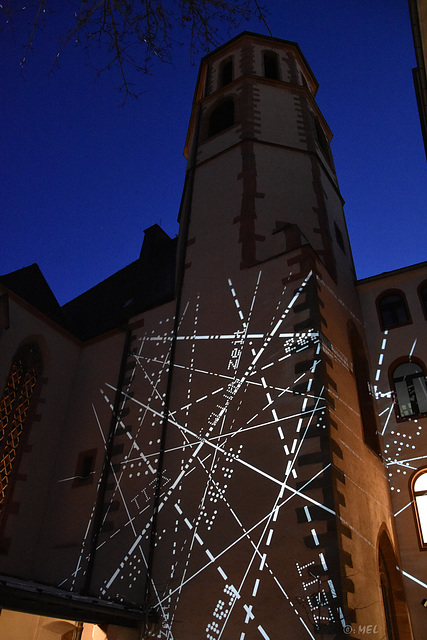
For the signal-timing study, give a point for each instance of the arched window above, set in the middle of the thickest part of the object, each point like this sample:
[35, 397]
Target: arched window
[422, 292]
[393, 310]
[271, 66]
[221, 117]
[394, 607]
[322, 140]
[226, 73]
[410, 389]
[14, 406]
[419, 497]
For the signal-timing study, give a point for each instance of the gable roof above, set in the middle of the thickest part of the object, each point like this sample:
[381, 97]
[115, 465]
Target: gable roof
[30, 284]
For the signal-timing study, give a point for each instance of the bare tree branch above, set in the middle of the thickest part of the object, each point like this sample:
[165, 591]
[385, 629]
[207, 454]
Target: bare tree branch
[133, 33]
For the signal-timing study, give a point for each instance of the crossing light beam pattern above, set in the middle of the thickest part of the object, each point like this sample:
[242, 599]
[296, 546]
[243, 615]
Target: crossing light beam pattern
[239, 518]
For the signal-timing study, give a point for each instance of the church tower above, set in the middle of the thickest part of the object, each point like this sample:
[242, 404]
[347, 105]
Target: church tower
[273, 516]
[204, 462]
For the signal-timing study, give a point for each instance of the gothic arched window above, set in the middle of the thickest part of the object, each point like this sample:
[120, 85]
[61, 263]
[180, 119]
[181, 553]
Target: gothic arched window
[14, 406]
[419, 497]
[396, 619]
[221, 117]
[410, 389]
[393, 310]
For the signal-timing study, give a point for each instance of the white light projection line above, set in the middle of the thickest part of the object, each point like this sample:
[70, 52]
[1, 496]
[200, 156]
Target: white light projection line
[403, 508]
[90, 520]
[189, 434]
[138, 538]
[251, 366]
[201, 440]
[276, 329]
[270, 335]
[255, 526]
[154, 393]
[389, 414]
[130, 519]
[196, 536]
[413, 578]
[93, 509]
[272, 515]
[117, 487]
[391, 462]
[235, 363]
[246, 534]
[161, 505]
[125, 395]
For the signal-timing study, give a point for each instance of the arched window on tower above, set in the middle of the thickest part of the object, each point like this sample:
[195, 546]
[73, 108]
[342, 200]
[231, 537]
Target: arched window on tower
[422, 292]
[221, 117]
[393, 310]
[271, 65]
[410, 389]
[322, 141]
[226, 73]
[419, 498]
[14, 406]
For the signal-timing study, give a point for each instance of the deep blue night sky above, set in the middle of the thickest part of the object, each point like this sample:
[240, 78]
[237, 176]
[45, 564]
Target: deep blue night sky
[82, 177]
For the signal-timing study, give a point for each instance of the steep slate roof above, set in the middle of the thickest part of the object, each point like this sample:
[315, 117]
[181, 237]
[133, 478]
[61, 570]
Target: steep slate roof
[143, 284]
[29, 284]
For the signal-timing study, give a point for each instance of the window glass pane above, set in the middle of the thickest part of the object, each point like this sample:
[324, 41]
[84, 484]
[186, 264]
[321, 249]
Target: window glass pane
[420, 393]
[227, 73]
[221, 118]
[393, 311]
[421, 504]
[271, 69]
[406, 369]
[420, 483]
[403, 399]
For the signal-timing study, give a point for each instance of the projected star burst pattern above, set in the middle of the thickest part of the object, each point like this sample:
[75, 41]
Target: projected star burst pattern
[242, 407]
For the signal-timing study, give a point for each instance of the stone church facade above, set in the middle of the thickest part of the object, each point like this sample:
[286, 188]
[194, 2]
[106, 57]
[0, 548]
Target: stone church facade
[224, 439]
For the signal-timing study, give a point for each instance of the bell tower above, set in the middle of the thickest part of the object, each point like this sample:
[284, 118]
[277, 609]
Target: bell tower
[256, 135]
[273, 495]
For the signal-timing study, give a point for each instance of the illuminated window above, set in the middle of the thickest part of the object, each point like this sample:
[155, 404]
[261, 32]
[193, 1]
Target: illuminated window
[14, 406]
[410, 389]
[419, 495]
[226, 74]
[271, 66]
[222, 117]
[393, 310]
